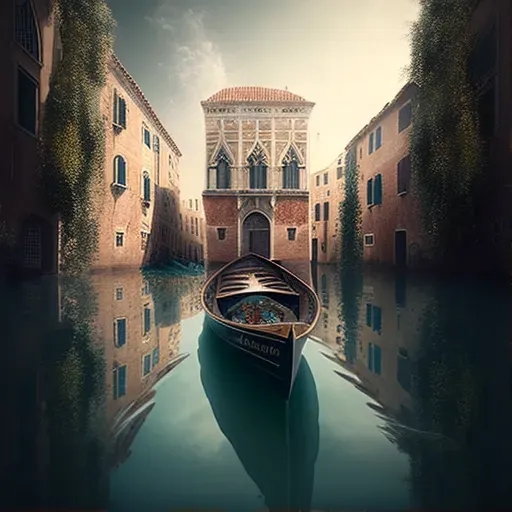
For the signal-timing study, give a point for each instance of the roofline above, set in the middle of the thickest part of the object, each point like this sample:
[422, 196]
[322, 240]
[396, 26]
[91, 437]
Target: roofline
[147, 106]
[387, 107]
[302, 103]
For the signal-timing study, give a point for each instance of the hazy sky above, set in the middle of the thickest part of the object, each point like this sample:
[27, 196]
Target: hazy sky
[347, 56]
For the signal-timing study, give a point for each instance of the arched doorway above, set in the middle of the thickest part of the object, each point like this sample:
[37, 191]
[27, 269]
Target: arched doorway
[256, 234]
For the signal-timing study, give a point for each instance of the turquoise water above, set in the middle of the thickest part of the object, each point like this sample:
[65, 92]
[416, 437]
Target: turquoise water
[120, 399]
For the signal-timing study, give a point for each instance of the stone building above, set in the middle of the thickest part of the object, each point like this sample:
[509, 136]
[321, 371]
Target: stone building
[326, 188]
[391, 226]
[28, 231]
[256, 195]
[192, 230]
[140, 206]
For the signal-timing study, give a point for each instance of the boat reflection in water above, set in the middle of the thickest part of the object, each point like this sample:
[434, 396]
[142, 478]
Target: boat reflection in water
[275, 439]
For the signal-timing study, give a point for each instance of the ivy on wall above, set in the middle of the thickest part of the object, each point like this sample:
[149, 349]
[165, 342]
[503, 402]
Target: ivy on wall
[446, 150]
[73, 136]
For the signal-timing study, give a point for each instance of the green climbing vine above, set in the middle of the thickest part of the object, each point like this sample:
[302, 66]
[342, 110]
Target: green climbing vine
[73, 138]
[351, 279]
[446, 149]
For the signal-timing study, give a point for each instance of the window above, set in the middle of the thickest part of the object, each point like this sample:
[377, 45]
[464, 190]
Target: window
[291, 175]
[326, 210]
[258, 176]
[120, 171]
[404, 117]
[120, 332]
[328, 193]
[378, 138]
[339, 172]
[369, 192]
[377, 189]
[197, 226]
[326, 178]
[146, 365]
[197, 205]
[146, 186]
[26, 28]
[368, 240]
[223, 174]
[119, 117]
[156, 144]
[156, 357]
[145, 288]
[147, 137]
[317, 212]
[317, 180]
[119, 239]
[144, 240]
[27, 102]
[147, 320]
[119, 382]
[119, 293]
[291, 233]
[370, 144]
[374, 317]
[221, 233]
[403, 175]
[374, 358]
[190, 204]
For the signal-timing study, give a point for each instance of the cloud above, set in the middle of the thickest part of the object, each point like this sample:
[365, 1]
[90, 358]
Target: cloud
[196, 70]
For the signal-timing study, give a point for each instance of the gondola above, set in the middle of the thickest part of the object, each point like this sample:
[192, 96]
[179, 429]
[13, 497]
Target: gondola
[264, 311]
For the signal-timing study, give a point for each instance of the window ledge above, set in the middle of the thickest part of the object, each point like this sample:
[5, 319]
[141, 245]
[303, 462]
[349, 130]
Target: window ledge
[27, 132]
[26, 52]
[119, 185]
[400, 194]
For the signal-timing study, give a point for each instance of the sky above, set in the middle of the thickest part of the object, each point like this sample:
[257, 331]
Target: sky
[349, 57]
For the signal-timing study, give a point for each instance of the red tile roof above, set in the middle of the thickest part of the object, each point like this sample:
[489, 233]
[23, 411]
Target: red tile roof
[149, 109]
[253, 95]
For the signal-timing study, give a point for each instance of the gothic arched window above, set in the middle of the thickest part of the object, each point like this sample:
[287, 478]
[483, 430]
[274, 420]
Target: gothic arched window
[258, 169]
[291, 169]
[26, 28]
[223, 170]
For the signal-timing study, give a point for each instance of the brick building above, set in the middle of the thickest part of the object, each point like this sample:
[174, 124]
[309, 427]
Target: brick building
[491, 73]
[391, 226]
[28, 231]
[326, 188]
[256, 197]
[192, 230]
[140, 206]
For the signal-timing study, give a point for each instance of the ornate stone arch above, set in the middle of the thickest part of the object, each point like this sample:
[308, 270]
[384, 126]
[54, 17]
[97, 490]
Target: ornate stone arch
[222, 152]
[258, 154]
[290, 153]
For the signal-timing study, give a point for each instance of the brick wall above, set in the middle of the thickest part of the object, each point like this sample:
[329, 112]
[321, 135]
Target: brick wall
[291, 213]
[221, 212]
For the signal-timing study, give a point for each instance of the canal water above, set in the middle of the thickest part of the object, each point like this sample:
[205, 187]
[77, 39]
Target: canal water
[117, 398]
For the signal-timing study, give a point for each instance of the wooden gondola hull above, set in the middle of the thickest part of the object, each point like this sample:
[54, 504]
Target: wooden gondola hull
[280, 358]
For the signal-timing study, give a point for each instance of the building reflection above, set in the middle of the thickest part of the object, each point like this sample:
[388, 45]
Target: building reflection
[433, 358]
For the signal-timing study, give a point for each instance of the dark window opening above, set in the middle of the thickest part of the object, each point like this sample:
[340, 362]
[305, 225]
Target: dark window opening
[370, 144]
[27, 102]
[221, 233]
[317, 212]
[326, 210]
[291, 233]
[403, 175]
[404, 117]
[378, 138]
[223, 174]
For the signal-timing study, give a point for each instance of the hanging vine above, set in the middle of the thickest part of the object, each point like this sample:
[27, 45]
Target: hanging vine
[73, 138]
[445, 142]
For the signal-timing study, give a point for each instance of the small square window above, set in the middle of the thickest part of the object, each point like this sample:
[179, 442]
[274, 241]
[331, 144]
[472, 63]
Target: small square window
[368, 240]
[326, 178]
[339, 172]
[119, 293]
[221, 233]
[119, 239]
[328, 193]
[291, 233]
[317, 181]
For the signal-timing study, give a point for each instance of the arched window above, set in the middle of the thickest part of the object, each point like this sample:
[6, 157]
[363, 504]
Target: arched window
[223, 170]
[146, 186]
[26, 28]
[120, 171]
[291, 169]
[258, 168]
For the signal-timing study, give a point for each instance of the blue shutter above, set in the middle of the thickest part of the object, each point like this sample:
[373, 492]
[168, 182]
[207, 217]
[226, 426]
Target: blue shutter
[370, 144]
[377, 192]
[370, 357]
[121, 332]
[114, 384]
[147, 320]
[147, 364]
[121, 372]
[121, 171]
[147, 189]
[156, 356]
[377, 319]
[116, 108]
[378, 138]
[377, 359]
[122, 112]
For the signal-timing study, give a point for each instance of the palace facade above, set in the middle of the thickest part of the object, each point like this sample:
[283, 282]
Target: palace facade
[256, 195]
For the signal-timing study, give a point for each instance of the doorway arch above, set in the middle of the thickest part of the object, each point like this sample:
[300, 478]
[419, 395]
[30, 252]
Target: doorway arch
[256, 234]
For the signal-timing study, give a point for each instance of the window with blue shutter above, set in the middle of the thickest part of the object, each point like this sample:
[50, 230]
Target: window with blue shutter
[120, 332]
[156, 144]
[369, 315]
[377, 319]
[147, 137]
[370, 357]
[116, 108]
[147, 320]
[122, 112]
[369, 192]
[377, 359]
[378, 138]
[377, 189]
[146, 186]
[122, 380]
[146, 365]
[119, 170]
[370, 144]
